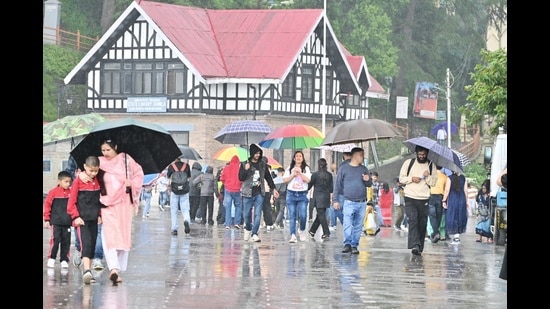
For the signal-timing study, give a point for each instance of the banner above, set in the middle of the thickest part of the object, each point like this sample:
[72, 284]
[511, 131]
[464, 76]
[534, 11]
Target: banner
[401, 109]
[425, 100]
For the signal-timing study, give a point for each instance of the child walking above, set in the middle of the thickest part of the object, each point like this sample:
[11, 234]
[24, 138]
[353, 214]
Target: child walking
[85, 210]
[58, 220]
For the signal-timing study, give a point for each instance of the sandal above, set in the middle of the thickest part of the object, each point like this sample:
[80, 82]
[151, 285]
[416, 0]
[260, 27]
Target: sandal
[115, 278]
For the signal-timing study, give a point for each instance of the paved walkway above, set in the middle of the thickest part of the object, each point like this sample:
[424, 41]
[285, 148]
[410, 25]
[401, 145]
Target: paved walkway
[214, 268]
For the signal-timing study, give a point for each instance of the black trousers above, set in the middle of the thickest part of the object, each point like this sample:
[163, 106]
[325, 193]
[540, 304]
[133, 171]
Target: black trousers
[266, 209]
[417, 214]
[194, 205]
[87, 234]
[206, 209]
[61, 235]
[320, 219]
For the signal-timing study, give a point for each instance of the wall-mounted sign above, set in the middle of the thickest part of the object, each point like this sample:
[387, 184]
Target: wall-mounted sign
[146, 105]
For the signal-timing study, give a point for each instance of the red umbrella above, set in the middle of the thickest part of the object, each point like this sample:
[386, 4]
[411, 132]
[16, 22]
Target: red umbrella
[293, 136]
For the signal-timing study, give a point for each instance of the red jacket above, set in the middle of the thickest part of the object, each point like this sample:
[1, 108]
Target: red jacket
[84, 200]
[55, 206]
[230, 175]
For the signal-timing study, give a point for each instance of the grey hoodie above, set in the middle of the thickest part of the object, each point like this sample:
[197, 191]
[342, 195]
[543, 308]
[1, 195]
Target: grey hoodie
[209, 184]
[196, 170]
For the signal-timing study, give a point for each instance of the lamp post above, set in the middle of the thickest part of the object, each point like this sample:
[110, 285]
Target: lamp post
[448, 96]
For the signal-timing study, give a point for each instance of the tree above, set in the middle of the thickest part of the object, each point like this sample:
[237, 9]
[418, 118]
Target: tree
[489, 92]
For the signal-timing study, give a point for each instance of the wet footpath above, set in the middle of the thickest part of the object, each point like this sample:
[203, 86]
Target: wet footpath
[213, 267]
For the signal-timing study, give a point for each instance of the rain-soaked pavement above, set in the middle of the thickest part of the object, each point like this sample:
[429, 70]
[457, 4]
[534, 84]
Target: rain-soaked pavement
[215, 268]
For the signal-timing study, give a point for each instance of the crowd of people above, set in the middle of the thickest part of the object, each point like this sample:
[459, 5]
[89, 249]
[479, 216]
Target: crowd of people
[100, 202]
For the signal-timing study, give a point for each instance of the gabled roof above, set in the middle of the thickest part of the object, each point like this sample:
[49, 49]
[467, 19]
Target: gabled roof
[221, 45]
[359, 68]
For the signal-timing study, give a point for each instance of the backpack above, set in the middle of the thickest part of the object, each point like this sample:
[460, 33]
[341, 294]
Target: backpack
[412, 163]
[179, 182]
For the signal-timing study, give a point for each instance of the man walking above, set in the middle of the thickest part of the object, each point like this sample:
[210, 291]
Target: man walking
[252, 174]
[417, 179]
[351, 182]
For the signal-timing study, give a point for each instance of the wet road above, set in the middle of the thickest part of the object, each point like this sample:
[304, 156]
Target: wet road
[215, 268]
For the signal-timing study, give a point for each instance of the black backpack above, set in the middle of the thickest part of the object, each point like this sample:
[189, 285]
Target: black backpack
[179, 182]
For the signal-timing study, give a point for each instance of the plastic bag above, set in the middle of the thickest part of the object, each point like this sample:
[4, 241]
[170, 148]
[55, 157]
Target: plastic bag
[371, 224]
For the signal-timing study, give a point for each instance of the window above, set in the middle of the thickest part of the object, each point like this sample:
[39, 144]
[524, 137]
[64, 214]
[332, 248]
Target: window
[328, 91]
[180, 137]
[64, 164]
[289, 85]
[307, 82]
[176, 79]
[46, 166]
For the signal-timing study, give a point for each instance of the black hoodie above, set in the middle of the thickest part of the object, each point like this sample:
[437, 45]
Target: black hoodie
[251, 186]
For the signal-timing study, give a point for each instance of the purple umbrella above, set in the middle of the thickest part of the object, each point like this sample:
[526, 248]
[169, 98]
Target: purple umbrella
[243, 132]
[443, 125]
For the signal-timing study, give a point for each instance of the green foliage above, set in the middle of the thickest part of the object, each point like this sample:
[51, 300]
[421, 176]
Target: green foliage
[476, 173]
[489, 93]
[82, 16]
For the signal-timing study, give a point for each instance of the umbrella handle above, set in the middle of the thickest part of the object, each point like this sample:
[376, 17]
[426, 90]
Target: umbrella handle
[128, 189]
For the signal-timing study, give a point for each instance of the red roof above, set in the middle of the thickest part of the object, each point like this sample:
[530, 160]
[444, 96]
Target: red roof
[218, 42]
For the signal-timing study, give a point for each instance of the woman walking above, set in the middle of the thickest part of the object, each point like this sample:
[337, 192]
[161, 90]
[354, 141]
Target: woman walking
[456, 203]
[322, 184]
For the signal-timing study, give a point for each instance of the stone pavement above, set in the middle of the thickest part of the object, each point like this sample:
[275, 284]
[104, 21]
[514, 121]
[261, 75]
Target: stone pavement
[215, 268]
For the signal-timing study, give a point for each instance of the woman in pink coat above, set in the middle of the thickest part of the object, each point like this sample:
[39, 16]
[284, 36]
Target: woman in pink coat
[385, 200]
[122, 177]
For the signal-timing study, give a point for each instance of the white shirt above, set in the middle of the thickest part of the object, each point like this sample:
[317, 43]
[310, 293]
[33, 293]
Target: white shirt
[297, 183]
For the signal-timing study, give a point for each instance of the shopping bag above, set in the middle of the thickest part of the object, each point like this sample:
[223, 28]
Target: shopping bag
[371, 224]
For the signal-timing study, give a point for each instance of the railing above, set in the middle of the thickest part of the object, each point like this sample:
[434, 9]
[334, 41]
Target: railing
[68, 39]
[472, 149]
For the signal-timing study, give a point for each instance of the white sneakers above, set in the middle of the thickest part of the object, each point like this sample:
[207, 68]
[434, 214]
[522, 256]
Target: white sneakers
[256, 238]
[51, 263]
[293, 239]
[247, 234]
[97, 265]
[64, 264]
[303, 236]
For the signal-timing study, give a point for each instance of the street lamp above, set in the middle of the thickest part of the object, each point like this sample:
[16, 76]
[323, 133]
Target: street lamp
[448, 95]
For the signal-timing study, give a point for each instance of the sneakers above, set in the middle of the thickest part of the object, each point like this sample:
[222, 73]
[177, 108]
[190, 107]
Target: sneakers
[435, 238]
[302, 235]
[97, 265]
[87, 277]
[256, 238]
[397, 228]
[175, 232]
[269, 228]
[311, 234]
[227, 227]
[246, 236]
[64, 264]
[293, 239]
[77, 260]
[51, 263]
[455, 241]
[332, 228]
[161, 208]
[186, 230]
[354, 250]
[347, 248]
[236, 226]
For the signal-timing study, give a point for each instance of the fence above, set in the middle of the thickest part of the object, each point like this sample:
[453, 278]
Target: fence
[68, 39]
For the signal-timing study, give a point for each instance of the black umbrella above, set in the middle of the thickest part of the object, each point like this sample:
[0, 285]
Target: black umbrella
[149, 144]
[189, 153]
[360, 130]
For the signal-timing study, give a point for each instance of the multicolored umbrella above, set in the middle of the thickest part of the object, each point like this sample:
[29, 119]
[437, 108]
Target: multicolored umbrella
[243, 132]
[225, 154]
[70, 126]
[274, 163]
[293, 136]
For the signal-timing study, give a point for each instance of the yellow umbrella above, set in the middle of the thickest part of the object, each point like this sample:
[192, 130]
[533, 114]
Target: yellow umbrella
[225, 154]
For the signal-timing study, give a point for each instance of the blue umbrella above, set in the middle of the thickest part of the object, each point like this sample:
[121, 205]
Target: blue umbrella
[149, 178]
[443, 125]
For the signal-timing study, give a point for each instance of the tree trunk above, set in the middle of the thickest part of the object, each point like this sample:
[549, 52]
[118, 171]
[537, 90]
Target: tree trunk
[107, 16]
[405, 48]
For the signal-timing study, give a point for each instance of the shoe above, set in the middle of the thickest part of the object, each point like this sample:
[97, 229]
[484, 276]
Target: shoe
[77, 260]
[354, 250]
[269, 227]
[455, 241]
[325, 237]
[256, 238]
[97, 265]
[227, 227]
[147, 215]
[51, 263]
[64, 264]
[397, 228]
[87, 277]
[161, 208]
[416, 250]
[175, 232]
[302, 235]
[247, 235]
[236, 226]
[436, 238]
[311, 234]
[332, 228]
[186, 229]
[347, 249]
[478, 240]
[293, 239]
[377, 231]
[210, 222]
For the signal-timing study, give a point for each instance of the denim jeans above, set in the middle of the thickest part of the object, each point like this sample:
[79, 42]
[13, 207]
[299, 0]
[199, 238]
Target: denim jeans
[297, 201]
[98, 244]
[337, 213]
[232, 199]
[163, 198]
[257, 202]
[147, 197]
[354, 213]
[183, 202]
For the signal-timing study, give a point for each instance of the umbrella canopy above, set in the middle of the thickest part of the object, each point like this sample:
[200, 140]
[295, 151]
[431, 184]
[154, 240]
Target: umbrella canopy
[149, 144]
[70, 126]
[189, 153]
[148, 179]
[293, 136]
[438, 154]
[226, 153]
[274, 163]
[464, 161]
[360, 130]
[443, 125]
[340, 147]
[243, 132]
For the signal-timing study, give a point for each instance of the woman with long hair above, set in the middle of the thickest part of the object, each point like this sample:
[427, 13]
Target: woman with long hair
[297, 177]
[322, 184]
[456, 203]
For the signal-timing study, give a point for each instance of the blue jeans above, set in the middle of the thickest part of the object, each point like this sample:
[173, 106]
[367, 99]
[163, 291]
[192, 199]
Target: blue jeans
[354, 213]
[163, 198]
[380, 218]
[147, 197]
[257, 202]
[232, 199]
[296, 201]
[337, 213]
[98, 244]
[183, 202]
